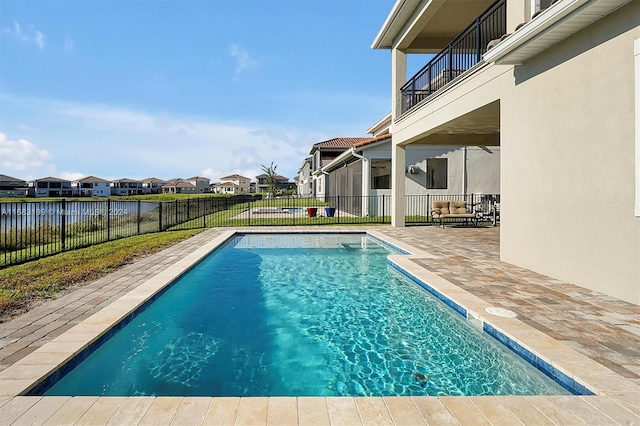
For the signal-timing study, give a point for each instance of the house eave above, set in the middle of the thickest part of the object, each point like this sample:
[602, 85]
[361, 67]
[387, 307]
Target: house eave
[555, 24]
[395, 22]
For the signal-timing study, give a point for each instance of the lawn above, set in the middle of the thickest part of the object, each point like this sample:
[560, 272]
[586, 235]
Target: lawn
[22, 285]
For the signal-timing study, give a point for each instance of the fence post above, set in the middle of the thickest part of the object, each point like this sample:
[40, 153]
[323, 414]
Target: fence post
[383, 197]
[204, 212]
[108, 213]
[188, 208]
[176, 215]
[248, 213]
[63, 229]
[139, 217]
[338, 207]
[428, 209]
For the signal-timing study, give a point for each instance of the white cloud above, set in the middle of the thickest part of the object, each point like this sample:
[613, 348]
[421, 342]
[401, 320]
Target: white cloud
[112, 142]
[28, 35]
[72, 176]
[24, 158]
[68, 44]
[242, 58]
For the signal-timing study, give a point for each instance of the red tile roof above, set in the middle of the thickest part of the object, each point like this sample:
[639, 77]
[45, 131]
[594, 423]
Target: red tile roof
[372, 140]
[234, 176]
[337, 143]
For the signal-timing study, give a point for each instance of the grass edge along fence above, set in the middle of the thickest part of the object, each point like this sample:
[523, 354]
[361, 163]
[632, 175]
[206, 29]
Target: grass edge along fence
[31, 230]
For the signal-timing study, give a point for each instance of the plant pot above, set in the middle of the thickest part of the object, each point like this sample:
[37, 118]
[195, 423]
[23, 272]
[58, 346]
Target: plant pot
[312, 211]
[330, 211]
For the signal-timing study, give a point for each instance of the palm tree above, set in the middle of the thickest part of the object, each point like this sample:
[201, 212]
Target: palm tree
[271, 178]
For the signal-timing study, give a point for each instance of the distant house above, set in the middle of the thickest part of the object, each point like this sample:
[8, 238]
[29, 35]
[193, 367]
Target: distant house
[243, 183]
[322, 153]
[201, 184]
[152, 185]
[50, 187]
[91, 186]
[226, 188]
[12, 187]
[179, 186]
[304, 180]
[282, 183]
[124, 187]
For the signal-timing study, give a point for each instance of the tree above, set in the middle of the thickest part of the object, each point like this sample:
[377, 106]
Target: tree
[270, 171]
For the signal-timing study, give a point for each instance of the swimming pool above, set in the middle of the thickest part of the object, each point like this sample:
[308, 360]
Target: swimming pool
[325, 316]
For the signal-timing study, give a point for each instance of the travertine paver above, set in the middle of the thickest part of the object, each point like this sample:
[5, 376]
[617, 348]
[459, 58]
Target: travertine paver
[343, 411]
[282, 411]
[131, 411]
[252, 411]
[222, 411]
[192, 410]
[373, 411]
[403, 411]
[101, 411]
[464, 411]
[433, 410]
[494, 411]
[312, 411]
[460, 260]
[72, 411]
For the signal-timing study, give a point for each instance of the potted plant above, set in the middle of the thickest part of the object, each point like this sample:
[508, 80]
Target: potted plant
[330, 211]
[312, 211]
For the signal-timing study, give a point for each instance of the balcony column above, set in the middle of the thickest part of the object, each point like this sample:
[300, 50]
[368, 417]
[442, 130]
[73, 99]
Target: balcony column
[398, 79]
[398, 162]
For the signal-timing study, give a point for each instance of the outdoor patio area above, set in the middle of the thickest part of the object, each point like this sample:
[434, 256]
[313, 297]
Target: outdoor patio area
[603, 331]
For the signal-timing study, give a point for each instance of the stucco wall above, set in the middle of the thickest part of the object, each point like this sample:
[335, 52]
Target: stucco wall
[567, 138]
[481, 176]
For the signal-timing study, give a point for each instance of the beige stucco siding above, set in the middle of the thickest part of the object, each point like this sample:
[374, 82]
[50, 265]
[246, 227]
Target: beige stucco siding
[567, 139]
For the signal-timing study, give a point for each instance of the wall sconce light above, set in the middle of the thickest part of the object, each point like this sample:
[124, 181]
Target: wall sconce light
[414, 170]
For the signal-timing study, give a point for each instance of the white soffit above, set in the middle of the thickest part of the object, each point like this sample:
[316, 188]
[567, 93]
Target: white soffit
[558, 22]
[396, 20]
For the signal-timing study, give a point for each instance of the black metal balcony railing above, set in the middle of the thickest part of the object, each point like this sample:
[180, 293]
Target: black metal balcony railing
[464, 52]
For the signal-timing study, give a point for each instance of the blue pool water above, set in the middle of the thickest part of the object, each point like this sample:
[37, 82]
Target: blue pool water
[300, 315]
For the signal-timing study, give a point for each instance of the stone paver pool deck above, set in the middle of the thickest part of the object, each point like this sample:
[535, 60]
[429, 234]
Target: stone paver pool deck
[591, 337]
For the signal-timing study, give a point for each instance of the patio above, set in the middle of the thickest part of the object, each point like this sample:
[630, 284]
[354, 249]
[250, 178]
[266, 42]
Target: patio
[604, 330]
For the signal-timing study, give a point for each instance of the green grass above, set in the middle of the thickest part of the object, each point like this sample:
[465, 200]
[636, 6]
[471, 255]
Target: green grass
[41, 279]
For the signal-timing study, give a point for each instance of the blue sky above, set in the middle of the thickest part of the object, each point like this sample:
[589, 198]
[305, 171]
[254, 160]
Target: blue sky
[177, 88]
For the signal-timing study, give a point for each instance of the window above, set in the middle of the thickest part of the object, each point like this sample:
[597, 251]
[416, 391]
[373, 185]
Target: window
[437, 173]
[381, 174]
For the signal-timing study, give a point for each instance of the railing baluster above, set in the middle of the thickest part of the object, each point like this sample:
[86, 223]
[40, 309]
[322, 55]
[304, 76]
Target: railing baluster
[469, 45]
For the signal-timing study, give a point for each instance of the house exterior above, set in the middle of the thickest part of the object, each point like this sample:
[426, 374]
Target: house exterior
[560, 96]
[365, 171]
[50, 187]
[91, 186]
[201, 184]
[228, 188]
[242, 183]
[12, 187]
[125, 187]
[153, 185]
[304, 180]
[179, 186]
[282, 184]
[322, 153]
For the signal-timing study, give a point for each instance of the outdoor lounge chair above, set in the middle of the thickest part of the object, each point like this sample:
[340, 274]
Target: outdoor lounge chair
[441, 210]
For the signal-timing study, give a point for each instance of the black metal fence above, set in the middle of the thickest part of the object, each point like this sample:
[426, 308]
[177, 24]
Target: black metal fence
[464, 52]
[30, 230]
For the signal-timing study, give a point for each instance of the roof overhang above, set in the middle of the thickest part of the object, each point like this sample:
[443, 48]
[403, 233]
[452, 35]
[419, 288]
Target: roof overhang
[555, 24]
[426, 26]
[382, 126]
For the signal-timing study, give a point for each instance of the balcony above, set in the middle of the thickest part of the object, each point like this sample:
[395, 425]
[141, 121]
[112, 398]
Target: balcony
[460, 55]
